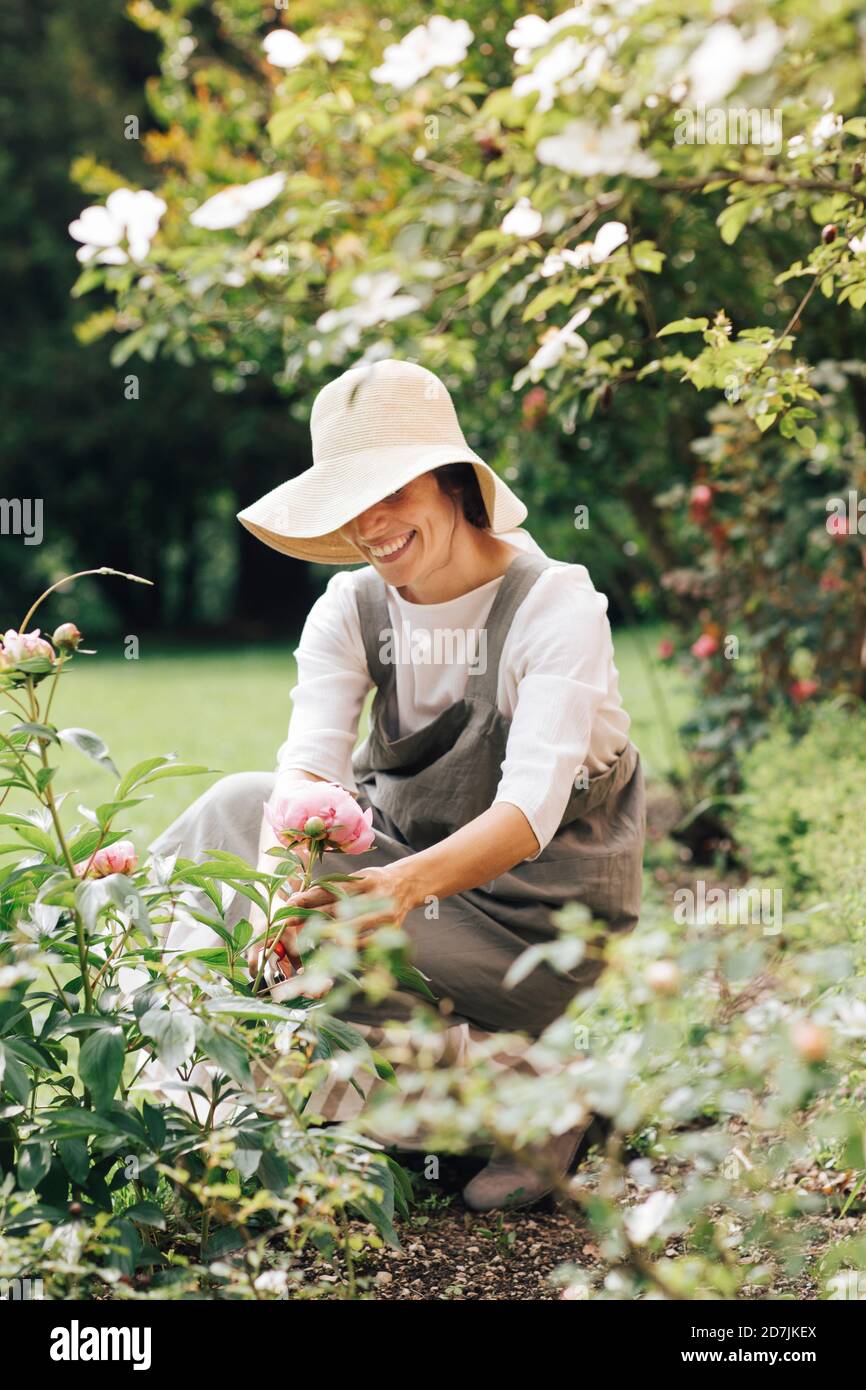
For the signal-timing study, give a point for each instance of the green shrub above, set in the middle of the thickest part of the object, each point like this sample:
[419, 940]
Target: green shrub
[801, 818]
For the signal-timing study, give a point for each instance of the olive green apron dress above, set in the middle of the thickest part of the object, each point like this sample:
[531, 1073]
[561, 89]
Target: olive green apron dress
[425, 785]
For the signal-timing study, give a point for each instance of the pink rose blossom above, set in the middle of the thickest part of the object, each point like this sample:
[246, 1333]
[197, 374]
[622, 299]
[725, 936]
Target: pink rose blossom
[24, 646]
[705, 646]
[803, 690]
[343, 825]
[119, 858]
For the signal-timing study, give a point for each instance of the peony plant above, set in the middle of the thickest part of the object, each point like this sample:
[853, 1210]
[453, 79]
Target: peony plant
[153, 1108]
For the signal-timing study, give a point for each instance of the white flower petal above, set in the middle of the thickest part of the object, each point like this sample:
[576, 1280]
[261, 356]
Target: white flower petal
[283, 49]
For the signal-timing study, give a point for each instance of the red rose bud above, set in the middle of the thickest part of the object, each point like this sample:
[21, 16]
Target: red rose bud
[489, 147]
[700, 501]
[803, 690]
[67, 637]
[534, 407]
[829, 233]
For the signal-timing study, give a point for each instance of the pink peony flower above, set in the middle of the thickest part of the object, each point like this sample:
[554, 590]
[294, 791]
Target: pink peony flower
[705, 646]
[119, 858]
[24, 646]
[67, 637]
[321, 813]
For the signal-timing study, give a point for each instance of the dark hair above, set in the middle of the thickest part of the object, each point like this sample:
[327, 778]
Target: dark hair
[460, 480]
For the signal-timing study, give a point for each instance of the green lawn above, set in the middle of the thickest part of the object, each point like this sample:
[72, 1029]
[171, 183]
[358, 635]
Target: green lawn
[229, 709]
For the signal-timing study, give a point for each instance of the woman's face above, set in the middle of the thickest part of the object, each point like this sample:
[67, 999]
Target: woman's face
[408, 534]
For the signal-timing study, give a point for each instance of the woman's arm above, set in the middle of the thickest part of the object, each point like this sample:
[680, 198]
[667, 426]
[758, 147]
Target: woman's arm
[478, 852]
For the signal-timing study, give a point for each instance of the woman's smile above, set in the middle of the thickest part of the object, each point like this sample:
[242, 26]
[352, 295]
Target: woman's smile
[389, 550]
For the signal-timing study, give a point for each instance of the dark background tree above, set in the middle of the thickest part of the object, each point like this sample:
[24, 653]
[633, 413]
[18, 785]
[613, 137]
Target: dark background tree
[118, 487]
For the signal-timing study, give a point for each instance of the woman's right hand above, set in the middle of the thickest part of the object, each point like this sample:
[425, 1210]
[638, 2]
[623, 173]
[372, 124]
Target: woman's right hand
[285, 932]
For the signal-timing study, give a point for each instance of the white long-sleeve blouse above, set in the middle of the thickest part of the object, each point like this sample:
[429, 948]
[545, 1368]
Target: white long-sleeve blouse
[557, 684]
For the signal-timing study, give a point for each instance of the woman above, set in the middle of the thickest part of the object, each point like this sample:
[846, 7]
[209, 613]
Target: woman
[498, 766]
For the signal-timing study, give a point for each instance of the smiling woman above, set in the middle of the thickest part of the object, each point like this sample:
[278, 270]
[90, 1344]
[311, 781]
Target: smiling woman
[498, 789]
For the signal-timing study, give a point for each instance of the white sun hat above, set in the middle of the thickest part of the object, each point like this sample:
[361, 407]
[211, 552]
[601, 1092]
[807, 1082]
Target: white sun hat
[374, 429]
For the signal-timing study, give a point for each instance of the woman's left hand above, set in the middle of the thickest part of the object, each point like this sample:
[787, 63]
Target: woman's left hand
[389, 881]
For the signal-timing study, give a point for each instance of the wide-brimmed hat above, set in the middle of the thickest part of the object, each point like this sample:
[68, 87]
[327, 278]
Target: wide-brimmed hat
[374, 429]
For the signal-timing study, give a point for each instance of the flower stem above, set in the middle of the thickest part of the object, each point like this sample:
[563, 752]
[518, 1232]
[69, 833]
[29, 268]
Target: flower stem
[67, 579]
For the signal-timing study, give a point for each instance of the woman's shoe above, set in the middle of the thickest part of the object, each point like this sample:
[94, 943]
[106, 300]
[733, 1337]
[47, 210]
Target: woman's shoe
[509, 1181]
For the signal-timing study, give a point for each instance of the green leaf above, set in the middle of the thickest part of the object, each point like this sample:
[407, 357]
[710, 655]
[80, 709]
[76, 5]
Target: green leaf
[548, 297]
[75, 1159]
[13, 1076]
[177, 770]
[646, 256]
[484, 280]
[95, 894]
[135, 774]
[249, 1008]
[228, 1055]
[33, 1164]
[43, 731]
[273, 1171]
[684, 326]
[154, 1123]
[410, 977]
[126, 1243]
[146, 1214]
[90, 744]
[732, 219]
[39, 839]
[340, 1034]
[174, 1033]
[75, 1122]
[100, 1063]
[384, 1070]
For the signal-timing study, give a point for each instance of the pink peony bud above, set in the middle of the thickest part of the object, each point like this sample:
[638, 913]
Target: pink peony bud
[810, 1042]
[705, 646]
[66, 637]
[666, 649]
[119, 858]
[323, 813]
[663, 977]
